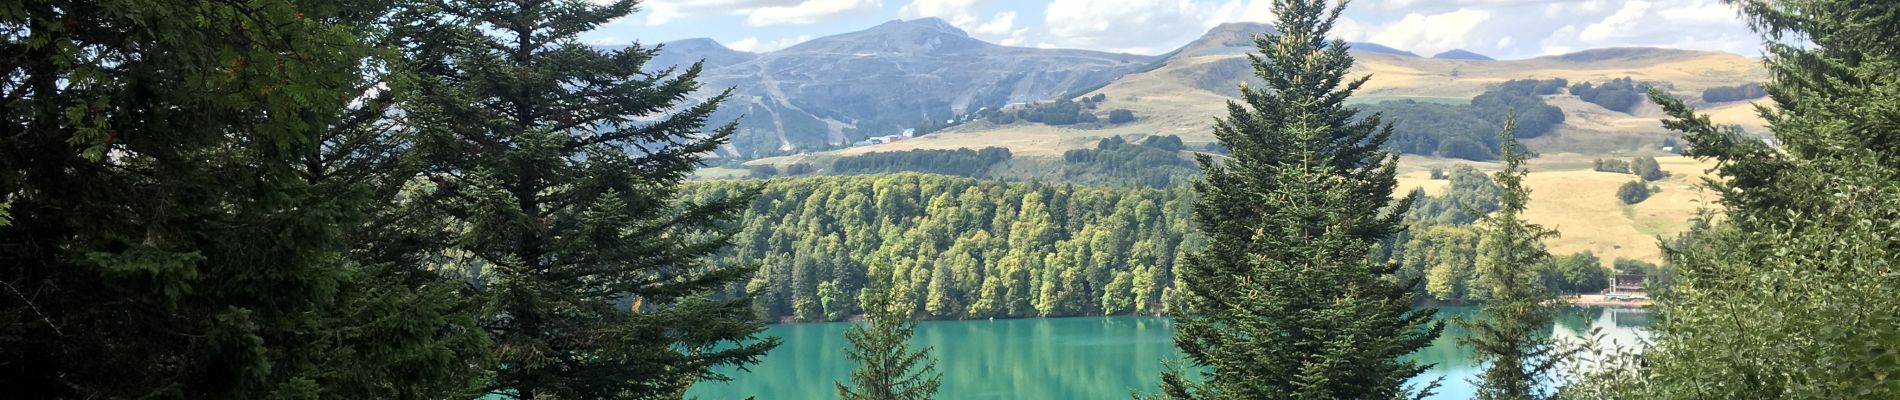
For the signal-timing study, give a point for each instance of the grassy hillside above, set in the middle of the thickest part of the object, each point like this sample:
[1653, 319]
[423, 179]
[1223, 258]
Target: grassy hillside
[1567, 195]
[1184, 95]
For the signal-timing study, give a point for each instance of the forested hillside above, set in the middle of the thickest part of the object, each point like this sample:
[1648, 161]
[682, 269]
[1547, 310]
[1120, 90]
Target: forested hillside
[967, 248]
[963, 248]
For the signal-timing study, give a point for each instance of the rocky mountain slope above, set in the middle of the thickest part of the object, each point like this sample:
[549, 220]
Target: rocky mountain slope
[838, 89]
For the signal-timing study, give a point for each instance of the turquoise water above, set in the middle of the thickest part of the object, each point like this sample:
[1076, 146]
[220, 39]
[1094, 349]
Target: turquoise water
[1066, 358]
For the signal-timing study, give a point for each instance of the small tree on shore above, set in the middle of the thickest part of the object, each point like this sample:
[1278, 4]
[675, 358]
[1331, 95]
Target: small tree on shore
[1509, 336]
[880, 345]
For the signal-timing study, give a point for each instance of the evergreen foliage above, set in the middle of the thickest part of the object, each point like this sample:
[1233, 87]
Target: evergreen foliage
[559, 165]
[1120, 116]
[880, 345]
[1510, 336]
[1791, 295]
[201, 203]
[1286, 300]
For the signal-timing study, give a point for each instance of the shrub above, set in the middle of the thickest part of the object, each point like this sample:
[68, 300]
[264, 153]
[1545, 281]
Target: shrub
[1121, 116]
[1633, 192]
[1612, 165]
[1647, 168]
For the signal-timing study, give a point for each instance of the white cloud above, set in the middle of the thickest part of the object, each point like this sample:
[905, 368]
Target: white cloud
[807, 12]
[998, 25]
[1139, 26]
[754, 45]
[1684, 24]
[1001, 27]
[1502, 28]
[1625, 21]
[659, 12]
[757, 12]
[1434, 33]
[962, 13]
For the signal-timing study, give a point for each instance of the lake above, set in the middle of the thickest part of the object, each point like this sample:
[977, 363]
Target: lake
[1069, 358]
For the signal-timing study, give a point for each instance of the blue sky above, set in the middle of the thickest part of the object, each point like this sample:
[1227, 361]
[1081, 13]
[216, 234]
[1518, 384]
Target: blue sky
[1499, 28]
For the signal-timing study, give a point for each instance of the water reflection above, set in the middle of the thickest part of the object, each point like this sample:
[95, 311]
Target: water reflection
[1070, 358]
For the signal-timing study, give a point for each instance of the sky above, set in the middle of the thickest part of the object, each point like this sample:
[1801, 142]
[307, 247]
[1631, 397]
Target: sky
[1505, 29]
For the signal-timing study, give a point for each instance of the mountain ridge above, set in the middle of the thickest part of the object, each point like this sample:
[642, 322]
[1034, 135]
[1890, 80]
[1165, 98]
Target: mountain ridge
[826, 92]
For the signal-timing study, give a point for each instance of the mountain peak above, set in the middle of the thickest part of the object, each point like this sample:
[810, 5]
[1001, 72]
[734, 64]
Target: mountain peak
[1228, 35]
[1462, 54]
[920, 25]
[1370, 47]
[1235, 37]
[697, 44]
[922, 35]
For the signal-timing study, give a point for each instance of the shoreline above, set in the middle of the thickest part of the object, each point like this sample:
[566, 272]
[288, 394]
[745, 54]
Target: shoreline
[1598, 300]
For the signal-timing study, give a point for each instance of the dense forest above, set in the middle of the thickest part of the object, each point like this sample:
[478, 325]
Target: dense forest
[963, 248]
[1465, 130]
[1157, 161]
[959, 162]
[968, 248]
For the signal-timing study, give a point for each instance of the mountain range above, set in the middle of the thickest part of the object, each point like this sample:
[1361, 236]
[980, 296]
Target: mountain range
[838, 89]
[830, 91]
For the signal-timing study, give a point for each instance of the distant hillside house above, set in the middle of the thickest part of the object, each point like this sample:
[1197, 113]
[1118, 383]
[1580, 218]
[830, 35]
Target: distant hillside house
[908, 133]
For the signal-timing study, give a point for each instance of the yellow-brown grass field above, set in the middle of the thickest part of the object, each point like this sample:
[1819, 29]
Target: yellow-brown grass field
[1581, 204]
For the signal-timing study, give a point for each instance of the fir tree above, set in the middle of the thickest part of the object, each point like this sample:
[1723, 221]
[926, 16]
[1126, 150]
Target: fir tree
[1286, 300]
[1510, 335]
[1791, 294]
[169, 237]
[887, 368]
[560, 165]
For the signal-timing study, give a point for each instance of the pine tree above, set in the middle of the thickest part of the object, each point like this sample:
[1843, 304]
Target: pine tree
[1791, 294]
[560, 165]
[1510, 335]
[887, 368]
[169, 237]
[1286, 300]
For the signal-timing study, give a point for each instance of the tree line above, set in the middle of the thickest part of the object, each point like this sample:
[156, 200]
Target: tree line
[955, 247]
[959, 162]
[1620, 94]
[1464, 130]
[1048, 249]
